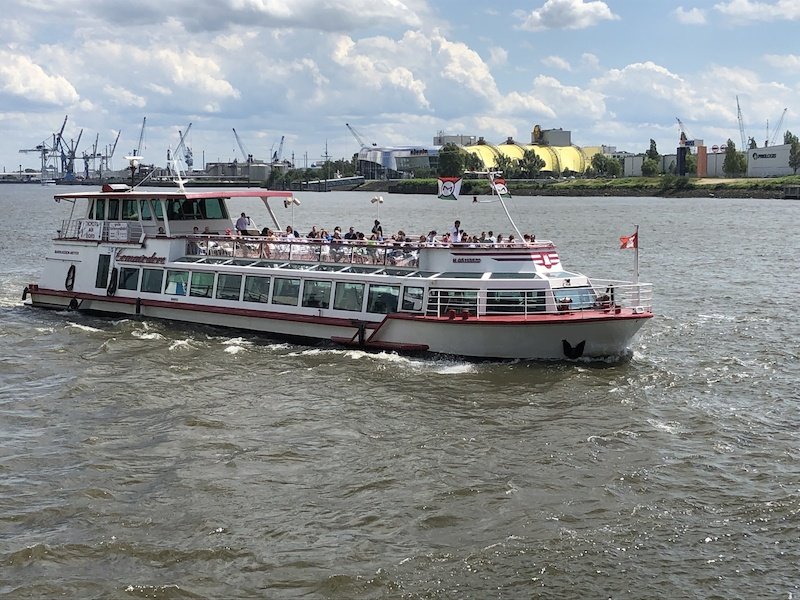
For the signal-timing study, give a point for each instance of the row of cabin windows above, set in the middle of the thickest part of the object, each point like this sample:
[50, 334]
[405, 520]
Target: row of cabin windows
[286, 291]
[381, 299]
[116, 209]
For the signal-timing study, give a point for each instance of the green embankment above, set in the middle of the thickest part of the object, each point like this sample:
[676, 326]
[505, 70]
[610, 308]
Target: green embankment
[666, 185]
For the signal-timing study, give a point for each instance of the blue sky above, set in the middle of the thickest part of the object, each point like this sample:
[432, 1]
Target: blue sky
[614, 72]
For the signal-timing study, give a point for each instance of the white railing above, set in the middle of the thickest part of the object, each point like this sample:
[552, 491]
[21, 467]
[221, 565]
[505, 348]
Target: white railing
[100, 231]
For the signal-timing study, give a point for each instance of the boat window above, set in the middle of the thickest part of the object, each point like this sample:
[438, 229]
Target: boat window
[382, 299]
[460, 275]
[99, 209]
[102, 270]
[177, 282]
[130, 210]
[174, 212]
[152, 280]
[514, 276]
[575, 298]
[189, 259]
[514, 301]
[229, 287]
[317, 294]
[202, 284]
[560, 274]
[113, 209]
[256, 289]
[159, 210]
[242, 262]
[424, 274]
[144, 207]
[213, 208]
[128, 278]
[412, 298]
[286, 291]
[348, 296]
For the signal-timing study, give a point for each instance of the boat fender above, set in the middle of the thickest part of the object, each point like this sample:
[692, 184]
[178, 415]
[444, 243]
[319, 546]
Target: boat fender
[464, 315]
[25, 293]
[112, 282]
[69, 282]
[73, 304]
[573, 351]
[138, 306]
[451, 314]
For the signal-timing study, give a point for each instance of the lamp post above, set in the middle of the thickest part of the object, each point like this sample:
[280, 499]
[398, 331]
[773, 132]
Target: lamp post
[377, 201]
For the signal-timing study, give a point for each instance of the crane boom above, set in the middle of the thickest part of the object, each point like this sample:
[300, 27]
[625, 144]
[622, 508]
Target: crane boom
[247, 156]
[137, 151]
[777, 128]
[358, 137]
[741, 125]
[276, 157]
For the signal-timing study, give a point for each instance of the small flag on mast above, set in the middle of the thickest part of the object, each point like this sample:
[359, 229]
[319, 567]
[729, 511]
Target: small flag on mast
[629, 241]
[449, 188]
[499, 185]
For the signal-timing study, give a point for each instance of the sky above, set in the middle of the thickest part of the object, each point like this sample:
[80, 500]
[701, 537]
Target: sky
[613, 72]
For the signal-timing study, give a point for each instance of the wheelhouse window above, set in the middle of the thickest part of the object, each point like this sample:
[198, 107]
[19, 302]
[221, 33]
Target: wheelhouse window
[575, 298]
[130, 210]
[412, 299]
[316, 294]
[144, 209]
[103, 261]
[441, 302]
[128, 278]
[202, 285]
[152, 280]
[256, 289]
[348, 296]
[229, 286]
[286, 291]
[177, 282]
[383, 299]
[213, 208]
[113, 209]
[98, 210]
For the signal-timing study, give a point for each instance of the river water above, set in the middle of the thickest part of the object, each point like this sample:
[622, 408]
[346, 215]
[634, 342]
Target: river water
[142, 459]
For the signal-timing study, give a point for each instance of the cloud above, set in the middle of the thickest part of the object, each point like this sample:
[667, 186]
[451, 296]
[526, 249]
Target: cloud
[120, 96]
[692, 16]
[590, 61]
[22, 78]
[498, 56]
[744, 11]
[566, 14]
[556, 62]
[788, 62]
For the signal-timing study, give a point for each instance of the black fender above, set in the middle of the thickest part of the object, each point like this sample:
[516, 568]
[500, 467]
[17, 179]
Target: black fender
[112, 282]
[69, 281]
[571, 351]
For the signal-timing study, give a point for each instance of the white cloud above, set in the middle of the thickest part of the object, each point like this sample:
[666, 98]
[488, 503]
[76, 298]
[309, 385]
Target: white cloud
[498, 56]
[692, 16]
[590, 60]
[23, 78]
[789, 62]
[566, 14]
[748, 10]
[123, 97]
[556, 62]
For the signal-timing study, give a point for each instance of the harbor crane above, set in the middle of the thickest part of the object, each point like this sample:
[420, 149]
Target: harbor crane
[741, 125]
[278, 154]
[93, 157]
[770, 141]
[683, 138]
[247, 156]
[358, 137]
[139, 147]
[68, 156]
[48, 151]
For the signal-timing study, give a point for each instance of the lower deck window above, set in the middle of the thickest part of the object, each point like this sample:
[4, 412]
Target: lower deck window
[286, 291]
[229, 286]
[317, 294]
[202, 285]
[128, 278]
[152, 279]
[348, 296]
[514, 301]
[256, 289]
[103, 261]
[382, 299]
[412, 298]
[575, 298]
[177, 282]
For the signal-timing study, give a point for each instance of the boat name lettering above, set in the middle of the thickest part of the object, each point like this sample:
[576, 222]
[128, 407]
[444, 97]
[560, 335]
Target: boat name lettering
[466, 260]
[66, 251]
[143, 259]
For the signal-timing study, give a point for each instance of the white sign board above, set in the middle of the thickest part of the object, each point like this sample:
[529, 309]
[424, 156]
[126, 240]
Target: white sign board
[90, 230]
[117, 232]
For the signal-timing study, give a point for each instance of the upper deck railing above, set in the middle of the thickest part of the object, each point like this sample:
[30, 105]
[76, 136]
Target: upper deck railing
[100, 231]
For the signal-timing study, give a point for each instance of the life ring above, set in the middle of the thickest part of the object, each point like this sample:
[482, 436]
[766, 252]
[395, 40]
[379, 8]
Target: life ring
[112, 282]
[69, 282]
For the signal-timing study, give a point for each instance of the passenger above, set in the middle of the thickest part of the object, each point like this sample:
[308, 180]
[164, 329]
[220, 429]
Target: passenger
[499, 241]
[455, 232]
[431, 238]
[242, 223]
[206, 231]
[490, 239]
[351, 234]
[377, 230]
[196, 231]
[161, 231]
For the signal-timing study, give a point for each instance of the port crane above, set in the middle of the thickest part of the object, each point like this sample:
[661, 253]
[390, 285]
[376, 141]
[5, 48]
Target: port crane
[770, 141]
[278, 154]
[247, 156]
[48, 151]
[93, 157]
[358, 137]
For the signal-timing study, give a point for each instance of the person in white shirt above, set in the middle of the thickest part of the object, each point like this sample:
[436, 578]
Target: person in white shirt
[455, 232]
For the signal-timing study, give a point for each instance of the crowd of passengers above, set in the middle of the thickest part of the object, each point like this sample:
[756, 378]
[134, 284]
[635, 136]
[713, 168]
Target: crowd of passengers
[456, 235]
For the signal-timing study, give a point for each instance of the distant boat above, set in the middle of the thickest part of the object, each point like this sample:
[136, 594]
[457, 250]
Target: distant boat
[48, 181]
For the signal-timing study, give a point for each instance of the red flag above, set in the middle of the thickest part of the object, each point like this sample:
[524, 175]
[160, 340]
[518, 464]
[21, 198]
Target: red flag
[629, 241]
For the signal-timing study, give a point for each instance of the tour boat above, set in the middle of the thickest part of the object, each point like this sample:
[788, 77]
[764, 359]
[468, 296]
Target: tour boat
[176, 255]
